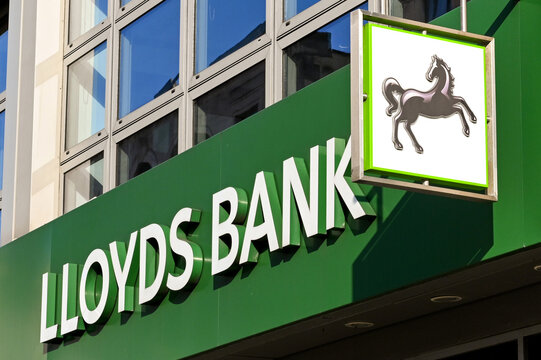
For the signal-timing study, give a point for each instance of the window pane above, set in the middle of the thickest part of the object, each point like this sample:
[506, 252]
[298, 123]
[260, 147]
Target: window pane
[83, 183]
[124, 2]
[422, 10]
[226, 26]
[532, 345]
[3, 60]
[86, 96]
[293, 7]
[505, 351]
[147, 148]
[317, 54]
[84, 15]
[149, 56]
[229, 103]
[2, 132]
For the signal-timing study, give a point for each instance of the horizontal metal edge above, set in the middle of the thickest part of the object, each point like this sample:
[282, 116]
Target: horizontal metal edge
[82, 41]
[426, 189]
[86, 149]
[197, 80]
[129, 120]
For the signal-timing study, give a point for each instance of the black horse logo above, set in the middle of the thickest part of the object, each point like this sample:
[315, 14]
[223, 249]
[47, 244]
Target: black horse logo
[438, 102]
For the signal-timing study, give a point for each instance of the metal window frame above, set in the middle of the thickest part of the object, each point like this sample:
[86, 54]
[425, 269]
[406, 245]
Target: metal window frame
[116, 129]
[139, 9]
[185, 54]
[307, 16]
[357, 168]
[120, 11]
[229, 73]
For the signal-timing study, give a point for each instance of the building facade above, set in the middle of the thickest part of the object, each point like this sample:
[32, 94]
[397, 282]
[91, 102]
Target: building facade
[147, 144]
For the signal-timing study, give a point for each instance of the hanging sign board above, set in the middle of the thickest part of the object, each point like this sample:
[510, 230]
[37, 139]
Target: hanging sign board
[426, 120]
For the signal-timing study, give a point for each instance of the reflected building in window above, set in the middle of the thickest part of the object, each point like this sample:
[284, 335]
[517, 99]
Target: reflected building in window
[229, 103]
[422, 10]
[317, 55]
[147, 148]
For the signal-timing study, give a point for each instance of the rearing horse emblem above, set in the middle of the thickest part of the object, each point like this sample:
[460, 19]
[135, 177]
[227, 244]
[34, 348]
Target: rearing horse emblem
[438, 102]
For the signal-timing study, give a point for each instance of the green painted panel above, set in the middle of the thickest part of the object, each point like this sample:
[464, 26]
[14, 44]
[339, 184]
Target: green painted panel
[414, 237]
[21, 265]
[501, 19]
[530, 76]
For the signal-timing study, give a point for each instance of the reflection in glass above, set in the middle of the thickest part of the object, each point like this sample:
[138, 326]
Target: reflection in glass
[225, 26]
[317, 54]
[124, 2]
[149, 56]
[147, 148]
[229, 103]
[86, 96]
[2, 132]
[293, 7]
[422, 10]
[3, 59]
[84, 15]
[505, 351]
[83, 183]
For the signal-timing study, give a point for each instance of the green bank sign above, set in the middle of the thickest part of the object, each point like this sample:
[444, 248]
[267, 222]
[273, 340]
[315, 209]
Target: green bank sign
[159, 258]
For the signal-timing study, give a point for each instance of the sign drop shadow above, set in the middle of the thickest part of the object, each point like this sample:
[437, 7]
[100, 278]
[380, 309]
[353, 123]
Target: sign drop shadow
[423, 236]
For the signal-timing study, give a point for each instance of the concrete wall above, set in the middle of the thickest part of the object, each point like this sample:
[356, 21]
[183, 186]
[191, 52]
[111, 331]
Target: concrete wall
[45, 187]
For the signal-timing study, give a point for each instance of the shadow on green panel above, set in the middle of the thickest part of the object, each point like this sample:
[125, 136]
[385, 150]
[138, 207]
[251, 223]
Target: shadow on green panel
[423, 236]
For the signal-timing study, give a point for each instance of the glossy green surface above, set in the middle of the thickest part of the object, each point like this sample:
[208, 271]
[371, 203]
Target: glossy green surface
[414, 237]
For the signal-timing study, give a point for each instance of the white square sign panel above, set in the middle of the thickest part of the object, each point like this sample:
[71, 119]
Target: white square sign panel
[425, 117]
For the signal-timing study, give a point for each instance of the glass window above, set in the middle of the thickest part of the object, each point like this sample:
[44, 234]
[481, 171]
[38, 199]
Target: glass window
[532, 345]
[229, 103]
[84, 15]
[124, 2]
[2, 128]
[505, 351]
[422, 10]
[3, 60]
[149, 56]
[147, 148]
[293, 7]
[226, 26]
[317, 54]
[86, 96]
[83, 183]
